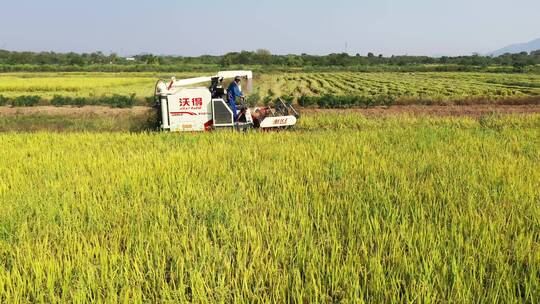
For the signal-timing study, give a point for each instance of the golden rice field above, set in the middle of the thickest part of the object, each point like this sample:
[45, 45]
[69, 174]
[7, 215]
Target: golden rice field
[404, 87]
[48, 85]
[343, 209]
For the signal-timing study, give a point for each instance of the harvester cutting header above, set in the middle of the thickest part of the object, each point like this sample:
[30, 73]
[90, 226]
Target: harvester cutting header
[183, 106]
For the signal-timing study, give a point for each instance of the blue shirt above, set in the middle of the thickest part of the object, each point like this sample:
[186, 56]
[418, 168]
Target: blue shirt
[233, 92]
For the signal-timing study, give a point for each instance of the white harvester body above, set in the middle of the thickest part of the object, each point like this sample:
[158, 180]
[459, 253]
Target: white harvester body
[188, 110]
[184, 107]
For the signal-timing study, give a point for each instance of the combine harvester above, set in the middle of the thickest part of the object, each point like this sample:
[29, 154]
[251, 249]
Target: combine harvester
[184, 107]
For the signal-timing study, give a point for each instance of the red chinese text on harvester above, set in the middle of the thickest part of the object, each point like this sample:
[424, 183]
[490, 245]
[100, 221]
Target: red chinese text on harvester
[191, 103]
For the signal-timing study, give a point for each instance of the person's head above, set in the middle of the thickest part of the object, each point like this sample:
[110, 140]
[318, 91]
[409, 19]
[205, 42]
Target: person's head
[237, 79]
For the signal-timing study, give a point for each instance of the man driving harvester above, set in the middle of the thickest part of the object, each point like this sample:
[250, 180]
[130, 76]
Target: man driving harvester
[234, 92]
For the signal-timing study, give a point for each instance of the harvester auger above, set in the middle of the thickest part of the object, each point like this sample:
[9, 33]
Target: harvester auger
[184, 107]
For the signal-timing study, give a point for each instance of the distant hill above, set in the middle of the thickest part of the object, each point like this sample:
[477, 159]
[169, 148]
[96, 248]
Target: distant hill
[518, 48]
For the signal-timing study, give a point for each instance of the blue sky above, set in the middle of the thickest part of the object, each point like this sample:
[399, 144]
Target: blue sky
[415, 27]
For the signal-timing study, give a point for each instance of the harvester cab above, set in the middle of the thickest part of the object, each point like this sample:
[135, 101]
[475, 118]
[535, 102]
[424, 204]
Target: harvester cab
[184, 106]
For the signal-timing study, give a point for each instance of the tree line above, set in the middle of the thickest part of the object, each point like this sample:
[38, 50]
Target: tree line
[263, 58]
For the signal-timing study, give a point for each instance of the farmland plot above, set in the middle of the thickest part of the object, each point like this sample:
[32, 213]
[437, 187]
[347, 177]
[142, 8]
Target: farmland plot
[344, 209]
[436, 87]
[371, 88]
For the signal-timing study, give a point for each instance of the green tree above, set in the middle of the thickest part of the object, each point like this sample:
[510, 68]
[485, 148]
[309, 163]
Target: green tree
[263, 56]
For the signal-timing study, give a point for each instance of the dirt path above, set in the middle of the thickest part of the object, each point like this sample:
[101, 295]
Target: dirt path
[415, 110]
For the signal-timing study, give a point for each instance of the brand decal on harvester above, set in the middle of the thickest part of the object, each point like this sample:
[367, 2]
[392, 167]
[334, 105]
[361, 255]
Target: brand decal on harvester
[280, 121]
[191, 103]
